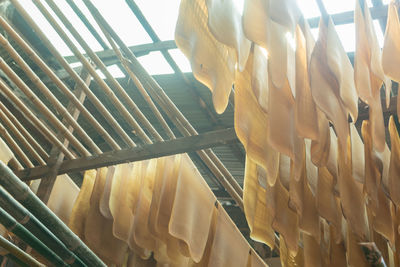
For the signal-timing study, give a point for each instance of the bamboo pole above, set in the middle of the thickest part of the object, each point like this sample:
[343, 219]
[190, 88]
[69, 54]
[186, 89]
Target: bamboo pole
[169, 107]
[92, 30]
[38, 148]
[13, 226]
[21, 138]
[29, 200]
[107, 90]
[57, 157]
[88, 25]
[57, 81]
[42, 107]
[166, 54]
[209, 164]
[15, 260]
[143, 91]
[18, 253]
[15, 164]
[116, 85]
[107, 115]
[15, 147]
[236, 195]
[24, 217]
[46, 132]
[48, 94]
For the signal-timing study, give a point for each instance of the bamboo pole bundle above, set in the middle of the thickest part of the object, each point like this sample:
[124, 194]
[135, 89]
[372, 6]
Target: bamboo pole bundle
[107, 115]
[169, 108]
[88, 25]
[13, 226]
[116, 85]
[13, 120]
[143, 91]
[42, 107]
[46, 132]
[15, 147]
[20, 137]
[29, 200]
[158, 115]
[18, 253]
[92, 30]
[117, 103]
[57, 81]
[24, 217]
[154, 37]
[59, 107]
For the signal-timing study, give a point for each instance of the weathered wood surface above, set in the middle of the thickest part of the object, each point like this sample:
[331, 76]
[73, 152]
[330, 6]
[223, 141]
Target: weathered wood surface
[160, 149]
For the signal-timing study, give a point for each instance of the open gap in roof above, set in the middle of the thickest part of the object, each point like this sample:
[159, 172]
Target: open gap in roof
[124, 22]
[346, 33]
[181, 60]
[162, 16]
[309, 8]
[43, 24]
[78, 24]
[58, 21]
[114, 71]
[379, 32]
[338, 6]
[155, 63]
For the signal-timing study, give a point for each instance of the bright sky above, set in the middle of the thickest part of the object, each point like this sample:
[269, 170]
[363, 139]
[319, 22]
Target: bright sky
[162, 15]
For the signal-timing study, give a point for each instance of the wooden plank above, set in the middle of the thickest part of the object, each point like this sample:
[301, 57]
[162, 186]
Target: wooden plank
[160, 149]
[57, 157]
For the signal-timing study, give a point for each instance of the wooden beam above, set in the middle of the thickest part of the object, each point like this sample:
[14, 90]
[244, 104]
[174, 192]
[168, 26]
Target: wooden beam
[377, 12]
[160, 149]
[138, 50]
[382, 20]
[56, 156]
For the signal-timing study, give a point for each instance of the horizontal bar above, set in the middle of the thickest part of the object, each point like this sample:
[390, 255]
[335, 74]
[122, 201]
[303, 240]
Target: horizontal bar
[348, 17]
[160, 149]
[138, 50]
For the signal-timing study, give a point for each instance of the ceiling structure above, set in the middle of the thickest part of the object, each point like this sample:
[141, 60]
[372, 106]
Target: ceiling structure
[147, 27]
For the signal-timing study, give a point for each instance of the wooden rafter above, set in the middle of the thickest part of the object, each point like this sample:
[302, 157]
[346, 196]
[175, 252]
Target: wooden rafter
[160, 149]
